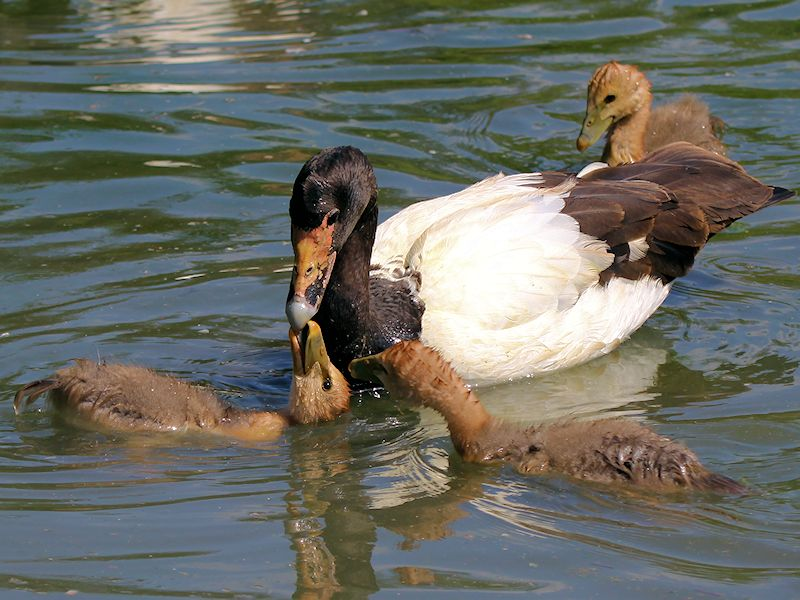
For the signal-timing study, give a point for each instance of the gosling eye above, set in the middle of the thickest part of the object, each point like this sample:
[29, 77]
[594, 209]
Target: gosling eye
[609, 99]
[327, 384]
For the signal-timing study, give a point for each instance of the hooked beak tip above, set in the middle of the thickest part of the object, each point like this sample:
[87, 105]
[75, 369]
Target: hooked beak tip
[299, 312]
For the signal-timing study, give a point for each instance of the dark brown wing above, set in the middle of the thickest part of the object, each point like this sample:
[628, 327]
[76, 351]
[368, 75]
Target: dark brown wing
[718, 185]
[674, 200]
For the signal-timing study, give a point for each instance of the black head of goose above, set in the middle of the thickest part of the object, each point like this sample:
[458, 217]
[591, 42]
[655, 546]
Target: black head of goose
[529, 272]
[334, 215]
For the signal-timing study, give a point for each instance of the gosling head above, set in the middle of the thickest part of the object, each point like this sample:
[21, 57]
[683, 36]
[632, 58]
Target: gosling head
[319, 390]
[409, 371]
[615, 91]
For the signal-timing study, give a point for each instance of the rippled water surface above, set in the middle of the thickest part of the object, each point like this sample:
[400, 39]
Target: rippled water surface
[147, 153]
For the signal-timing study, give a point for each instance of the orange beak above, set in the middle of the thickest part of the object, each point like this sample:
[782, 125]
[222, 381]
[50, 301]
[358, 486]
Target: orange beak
[313, 262]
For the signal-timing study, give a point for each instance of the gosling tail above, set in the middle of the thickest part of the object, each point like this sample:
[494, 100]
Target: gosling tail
[719, 484]
[28, 393]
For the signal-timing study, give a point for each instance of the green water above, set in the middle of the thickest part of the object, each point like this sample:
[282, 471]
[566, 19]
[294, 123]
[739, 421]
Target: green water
[147, 153]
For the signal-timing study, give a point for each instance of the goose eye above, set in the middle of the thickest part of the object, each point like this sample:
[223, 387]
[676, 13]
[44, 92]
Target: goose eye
[327, 384]
[609, 99]
[333, 216]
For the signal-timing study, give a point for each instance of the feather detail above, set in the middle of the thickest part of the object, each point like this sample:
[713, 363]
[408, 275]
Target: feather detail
[396, 235]
[532, 259]
[591, 167]
[600, 320]
[638, 249]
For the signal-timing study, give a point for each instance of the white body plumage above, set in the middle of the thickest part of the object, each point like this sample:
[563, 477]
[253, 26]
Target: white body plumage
[510, 284]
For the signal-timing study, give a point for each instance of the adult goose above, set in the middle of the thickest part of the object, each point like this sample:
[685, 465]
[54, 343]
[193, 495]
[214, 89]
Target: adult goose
[618, 101]
[610, 450]
[515, 275]
[130, 398]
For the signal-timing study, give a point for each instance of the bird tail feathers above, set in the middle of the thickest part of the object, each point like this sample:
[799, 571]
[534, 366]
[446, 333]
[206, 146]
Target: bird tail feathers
[28, 393]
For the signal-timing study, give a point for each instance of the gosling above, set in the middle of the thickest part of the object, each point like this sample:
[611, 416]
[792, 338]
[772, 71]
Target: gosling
[618, 100]
[609, 450]
[120, 397]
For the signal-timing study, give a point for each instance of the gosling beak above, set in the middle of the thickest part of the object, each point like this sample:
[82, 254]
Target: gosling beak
[313, 262]
[308, 349]
[594, 126]
[368, 368]
[319, 392]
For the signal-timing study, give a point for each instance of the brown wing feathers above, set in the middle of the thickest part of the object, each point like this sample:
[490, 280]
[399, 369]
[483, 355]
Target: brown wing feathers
[718, 185]
[622, 213]
[674, 200]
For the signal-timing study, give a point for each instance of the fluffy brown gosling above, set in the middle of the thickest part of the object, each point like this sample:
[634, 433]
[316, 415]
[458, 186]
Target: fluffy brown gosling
[611, 451]
[130, 398]
[618, 100]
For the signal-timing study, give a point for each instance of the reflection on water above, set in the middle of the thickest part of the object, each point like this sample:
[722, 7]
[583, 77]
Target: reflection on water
[148, 152]
[623, 379]
[186, 31]
[165, 88]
